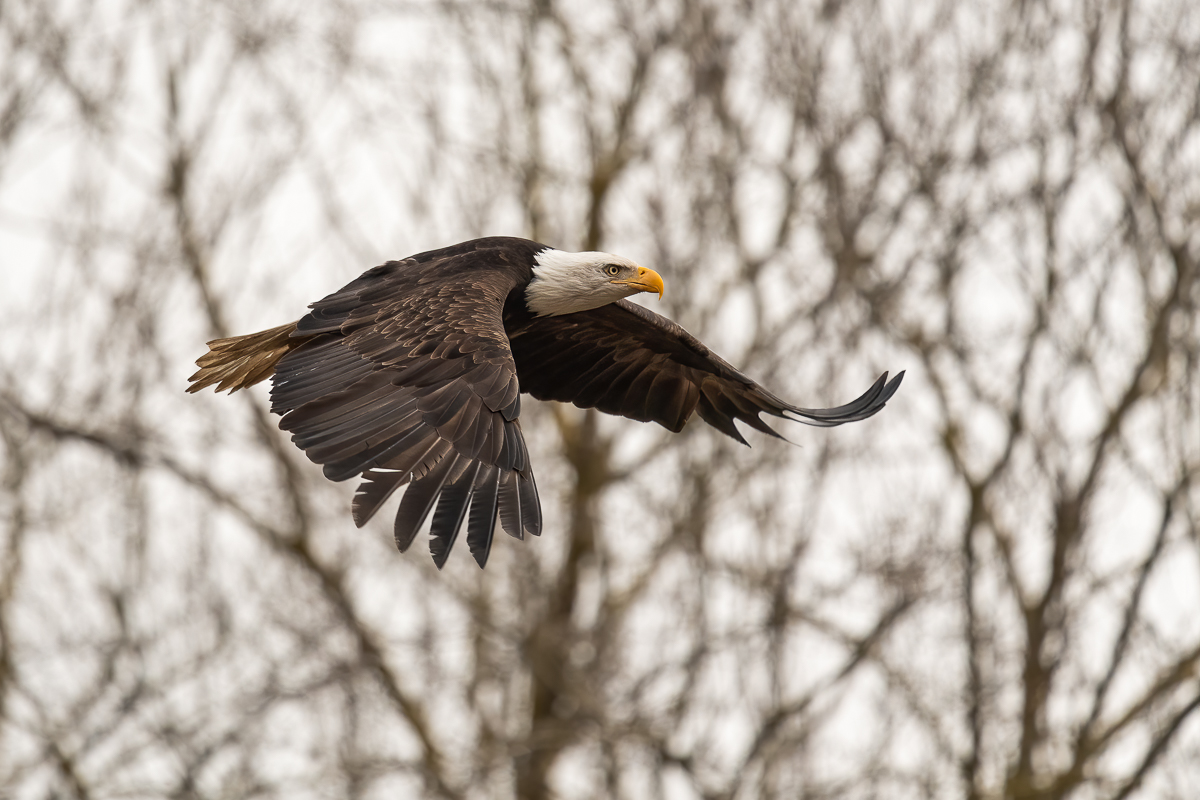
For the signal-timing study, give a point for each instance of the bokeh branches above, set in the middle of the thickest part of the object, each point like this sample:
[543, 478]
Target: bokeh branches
[988, 590]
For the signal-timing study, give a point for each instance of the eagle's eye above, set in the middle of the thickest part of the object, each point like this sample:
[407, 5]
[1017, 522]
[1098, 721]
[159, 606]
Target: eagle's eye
[613, 269]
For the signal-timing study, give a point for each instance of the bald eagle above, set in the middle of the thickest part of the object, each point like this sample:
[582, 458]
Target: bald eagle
[412, 374]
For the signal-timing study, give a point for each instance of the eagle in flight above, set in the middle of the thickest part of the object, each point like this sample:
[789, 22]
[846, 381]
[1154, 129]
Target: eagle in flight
[413, 373]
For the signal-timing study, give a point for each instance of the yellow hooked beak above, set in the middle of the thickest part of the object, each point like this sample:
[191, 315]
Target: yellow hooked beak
[647, 280]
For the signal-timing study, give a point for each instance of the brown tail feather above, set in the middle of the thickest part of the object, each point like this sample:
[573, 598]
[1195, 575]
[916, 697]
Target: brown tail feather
[241, 361]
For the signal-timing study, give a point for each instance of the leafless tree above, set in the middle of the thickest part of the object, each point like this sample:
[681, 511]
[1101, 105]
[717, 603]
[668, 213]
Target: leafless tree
[990, 590]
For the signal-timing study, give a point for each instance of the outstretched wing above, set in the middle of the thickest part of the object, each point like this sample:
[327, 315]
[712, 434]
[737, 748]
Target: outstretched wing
[624, 359]
[406, 377]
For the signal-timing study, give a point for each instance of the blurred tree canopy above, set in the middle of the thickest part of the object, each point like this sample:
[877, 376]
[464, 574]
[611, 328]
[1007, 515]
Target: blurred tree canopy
[990, 590]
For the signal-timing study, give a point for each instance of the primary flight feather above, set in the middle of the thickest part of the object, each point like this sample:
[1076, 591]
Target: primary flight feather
[412, 374]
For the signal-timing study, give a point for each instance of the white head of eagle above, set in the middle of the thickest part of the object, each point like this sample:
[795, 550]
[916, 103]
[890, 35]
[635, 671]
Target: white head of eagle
[566, 283]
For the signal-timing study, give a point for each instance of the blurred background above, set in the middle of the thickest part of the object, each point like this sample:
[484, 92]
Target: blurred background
[989, 590]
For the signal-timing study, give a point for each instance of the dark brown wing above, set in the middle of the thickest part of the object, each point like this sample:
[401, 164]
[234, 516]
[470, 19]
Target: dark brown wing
[624, 359]
[408, 379]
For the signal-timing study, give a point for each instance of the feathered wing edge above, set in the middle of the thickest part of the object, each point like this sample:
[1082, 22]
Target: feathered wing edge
[721, 406]
[867, 405]
[450, 487]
